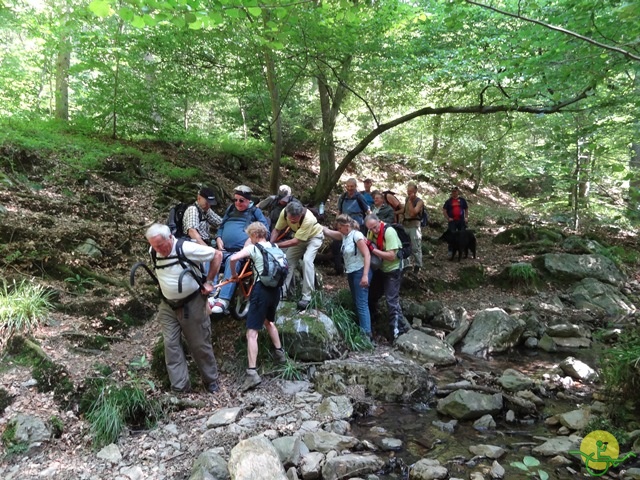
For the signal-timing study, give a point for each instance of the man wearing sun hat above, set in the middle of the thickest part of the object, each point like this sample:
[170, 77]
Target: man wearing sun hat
[232, 237]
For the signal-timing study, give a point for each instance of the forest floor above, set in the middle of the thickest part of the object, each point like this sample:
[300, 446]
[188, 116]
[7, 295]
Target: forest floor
[46, 219]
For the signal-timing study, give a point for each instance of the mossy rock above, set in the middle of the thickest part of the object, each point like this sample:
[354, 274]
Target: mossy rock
[538, 248]
[520, 275]
[518, 235]
[470, 277]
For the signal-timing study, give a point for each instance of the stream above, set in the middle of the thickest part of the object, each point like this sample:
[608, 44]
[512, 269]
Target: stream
[421, 439]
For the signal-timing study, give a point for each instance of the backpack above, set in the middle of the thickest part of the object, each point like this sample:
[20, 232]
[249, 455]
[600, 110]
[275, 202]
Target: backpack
[405, 250]
[189, 267]
[424, 218]
[275, 266]
[176, 215]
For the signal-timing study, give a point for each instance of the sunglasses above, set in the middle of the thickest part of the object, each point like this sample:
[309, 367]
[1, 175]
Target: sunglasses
[239, 200]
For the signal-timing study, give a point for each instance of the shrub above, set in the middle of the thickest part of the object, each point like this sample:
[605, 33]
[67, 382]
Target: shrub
[522, 274]
[116, 407]
[23, 307]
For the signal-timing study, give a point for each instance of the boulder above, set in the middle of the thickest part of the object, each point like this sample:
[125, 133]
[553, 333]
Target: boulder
[210, 465]
[223, 416]
[469, 405]
[565, 266]
[591, 294]
[426, 349]
[384, 378]
[289, 450]
[254, 458]
[350, 465]
[578, 370]
[427, 469]
[513, 381]
[309, 336]
[492, 331]
[321, 441]
[337, 407]
[558, 445]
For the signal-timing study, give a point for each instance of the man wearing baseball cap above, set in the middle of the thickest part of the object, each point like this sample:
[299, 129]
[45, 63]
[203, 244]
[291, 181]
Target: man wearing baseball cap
[199, 216]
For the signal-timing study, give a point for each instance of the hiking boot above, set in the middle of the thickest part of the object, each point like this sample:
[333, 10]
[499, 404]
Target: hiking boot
[449, 255]
[279, 356]
[220, 306]
[186, 389]
[416, 269]
[213, 387]
[303, 304]
[250, 381]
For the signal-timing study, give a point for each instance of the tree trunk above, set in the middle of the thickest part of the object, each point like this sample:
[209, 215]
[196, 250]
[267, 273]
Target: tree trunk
[116, 80]
[63, 63]
[275, 127]
[330, 103]
[435, 143]
[634, 183]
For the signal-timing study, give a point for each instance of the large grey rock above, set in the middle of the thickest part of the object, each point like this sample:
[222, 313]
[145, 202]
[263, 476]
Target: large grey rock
[575, 419]
[29, 429]
[558, 445]
[489, 451]
[576, 267]
[578, 370]
[309, 336]
[513, 380]
[110, 453]
[468, 405]
[254, 458]
[492, 331]
[592, 294]
[210, 466]
[89, 248]
[311, 465]
[322, 441]
[384, 378]
[426, 311]
[223, 416]
[426, 349]
[336, 407]
[350, 465]
[289, 450]
[427, 469]
[559, 344]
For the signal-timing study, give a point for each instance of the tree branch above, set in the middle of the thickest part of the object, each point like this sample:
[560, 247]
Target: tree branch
[604, 46]
[474, 109]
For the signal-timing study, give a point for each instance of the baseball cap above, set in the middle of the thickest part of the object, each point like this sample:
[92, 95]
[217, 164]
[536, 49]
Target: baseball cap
[208, 195]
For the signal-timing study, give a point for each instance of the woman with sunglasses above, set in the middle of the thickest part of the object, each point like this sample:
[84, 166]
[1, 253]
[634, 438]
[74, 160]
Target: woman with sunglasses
[357, 258]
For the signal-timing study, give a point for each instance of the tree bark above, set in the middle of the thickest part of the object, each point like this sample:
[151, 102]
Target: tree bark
[63, 63]
[276, 120]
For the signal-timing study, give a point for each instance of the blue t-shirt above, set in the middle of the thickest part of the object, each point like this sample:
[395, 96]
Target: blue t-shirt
[235, 222]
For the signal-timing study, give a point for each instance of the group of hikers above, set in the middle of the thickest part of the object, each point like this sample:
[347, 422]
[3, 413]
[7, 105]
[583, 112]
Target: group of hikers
[367, 247]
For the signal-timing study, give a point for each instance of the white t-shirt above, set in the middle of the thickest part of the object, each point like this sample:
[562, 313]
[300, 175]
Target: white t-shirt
[168, 277]
[353, 259]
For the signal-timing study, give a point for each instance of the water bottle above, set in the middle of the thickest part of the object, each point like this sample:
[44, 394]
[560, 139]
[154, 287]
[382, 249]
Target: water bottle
[321, 208]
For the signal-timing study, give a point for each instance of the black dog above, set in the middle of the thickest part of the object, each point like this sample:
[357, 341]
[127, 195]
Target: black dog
[459, 241]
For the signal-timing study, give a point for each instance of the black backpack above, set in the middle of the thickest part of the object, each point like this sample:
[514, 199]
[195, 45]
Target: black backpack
[176, 215]
[189, 267]
[405, 251]
[275, 266]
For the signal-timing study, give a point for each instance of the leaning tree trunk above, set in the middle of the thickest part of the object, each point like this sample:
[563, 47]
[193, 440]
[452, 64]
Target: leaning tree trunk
[634, 183]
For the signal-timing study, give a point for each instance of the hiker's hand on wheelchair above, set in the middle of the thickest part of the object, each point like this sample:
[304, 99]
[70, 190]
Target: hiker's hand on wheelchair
[207, 288]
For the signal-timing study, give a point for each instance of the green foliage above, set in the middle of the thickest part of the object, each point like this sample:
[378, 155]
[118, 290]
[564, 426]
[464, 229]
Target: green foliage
[23, 307]
[529, 464]
[522, 274]
[79, 283]
[115, 407]
[605, 423]
[621, 256]
[289, 370]
[344, 320]
[621, 371]
[249, 148]
[9, 441]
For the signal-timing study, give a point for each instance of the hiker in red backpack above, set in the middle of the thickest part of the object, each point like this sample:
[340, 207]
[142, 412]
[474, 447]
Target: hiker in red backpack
[456, 211]
[387, 279]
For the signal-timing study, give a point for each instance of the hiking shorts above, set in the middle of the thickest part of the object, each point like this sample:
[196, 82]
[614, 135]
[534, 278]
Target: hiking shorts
[262, 305]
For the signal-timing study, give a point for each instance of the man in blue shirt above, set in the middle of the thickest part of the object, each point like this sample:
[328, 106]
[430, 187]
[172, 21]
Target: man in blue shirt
[232, 237]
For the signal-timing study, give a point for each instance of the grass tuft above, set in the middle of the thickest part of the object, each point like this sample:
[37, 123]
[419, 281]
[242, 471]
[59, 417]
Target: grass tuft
[23, 307]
